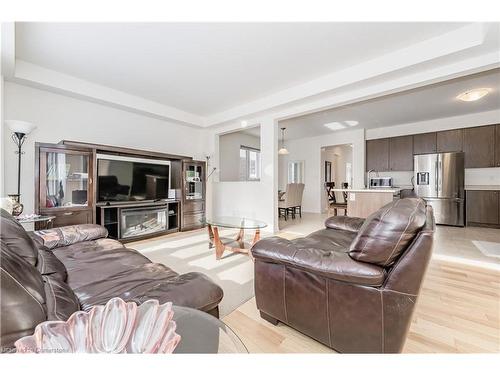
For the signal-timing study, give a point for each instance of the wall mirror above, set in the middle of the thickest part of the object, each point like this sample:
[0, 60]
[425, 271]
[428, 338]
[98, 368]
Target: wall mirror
[296, 171]
[239, 155]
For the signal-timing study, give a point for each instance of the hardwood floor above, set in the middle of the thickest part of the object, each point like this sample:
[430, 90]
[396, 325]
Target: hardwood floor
[458, 312]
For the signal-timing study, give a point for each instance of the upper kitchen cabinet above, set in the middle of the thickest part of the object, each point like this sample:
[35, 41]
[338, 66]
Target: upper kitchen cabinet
[449, 141]
[479, 147]
[424, 143]
[377, 155]
[401, 153]
[497, 146]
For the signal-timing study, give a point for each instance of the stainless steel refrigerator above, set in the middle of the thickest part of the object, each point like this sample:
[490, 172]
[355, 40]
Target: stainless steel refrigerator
[439, 179]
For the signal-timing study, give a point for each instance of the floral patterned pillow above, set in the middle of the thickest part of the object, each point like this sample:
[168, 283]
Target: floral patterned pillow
[65, 236]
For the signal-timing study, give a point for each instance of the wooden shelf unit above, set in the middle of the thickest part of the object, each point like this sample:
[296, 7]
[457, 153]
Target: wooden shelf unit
[109, 214]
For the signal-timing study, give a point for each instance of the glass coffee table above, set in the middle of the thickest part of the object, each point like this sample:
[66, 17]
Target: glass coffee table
[45, 221]
[202, 333]
[238, 244]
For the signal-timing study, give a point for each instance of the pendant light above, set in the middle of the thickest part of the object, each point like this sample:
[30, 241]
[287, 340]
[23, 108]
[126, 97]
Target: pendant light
[283, 150]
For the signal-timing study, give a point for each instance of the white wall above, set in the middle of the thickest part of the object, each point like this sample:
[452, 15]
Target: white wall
[61, 117]
[309, 150]
[2, 137]
[251, 199]
[229, 149]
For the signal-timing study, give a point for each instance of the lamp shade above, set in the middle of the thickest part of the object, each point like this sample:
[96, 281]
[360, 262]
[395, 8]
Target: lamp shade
[283, 151]
[18, 126]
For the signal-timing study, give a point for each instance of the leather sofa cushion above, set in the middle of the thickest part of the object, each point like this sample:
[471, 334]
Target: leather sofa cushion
[152, 281]
[64, 236]
[387, 232]
[101, 269]
[22, 302]
[61, 301]
[48, 264]
[17, 239]
[91, 261]
[324, 252]
[352, 224]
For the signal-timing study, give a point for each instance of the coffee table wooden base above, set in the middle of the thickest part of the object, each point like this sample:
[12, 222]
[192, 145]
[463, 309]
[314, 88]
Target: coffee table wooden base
[237, 245]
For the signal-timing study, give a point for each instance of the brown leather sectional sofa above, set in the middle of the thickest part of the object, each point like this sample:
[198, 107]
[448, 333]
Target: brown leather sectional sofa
[353, 285]
[50, 275]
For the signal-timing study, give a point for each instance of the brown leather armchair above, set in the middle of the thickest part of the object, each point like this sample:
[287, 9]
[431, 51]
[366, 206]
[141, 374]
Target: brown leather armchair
[353, 285]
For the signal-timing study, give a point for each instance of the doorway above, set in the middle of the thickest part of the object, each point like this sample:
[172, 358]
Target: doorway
[336, 167]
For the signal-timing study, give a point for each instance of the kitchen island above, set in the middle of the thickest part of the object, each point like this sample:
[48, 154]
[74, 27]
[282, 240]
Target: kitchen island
[363, 202]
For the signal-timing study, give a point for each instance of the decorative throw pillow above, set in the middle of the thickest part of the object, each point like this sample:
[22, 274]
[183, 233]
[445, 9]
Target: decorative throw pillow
[72, 234]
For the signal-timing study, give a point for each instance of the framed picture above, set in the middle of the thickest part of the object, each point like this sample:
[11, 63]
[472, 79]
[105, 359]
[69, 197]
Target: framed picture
[328, 171]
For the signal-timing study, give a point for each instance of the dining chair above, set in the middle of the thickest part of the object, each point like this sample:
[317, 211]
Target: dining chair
[292, 202]
[332, 203]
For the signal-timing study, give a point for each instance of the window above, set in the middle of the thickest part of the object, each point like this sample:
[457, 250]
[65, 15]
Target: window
[249, 164]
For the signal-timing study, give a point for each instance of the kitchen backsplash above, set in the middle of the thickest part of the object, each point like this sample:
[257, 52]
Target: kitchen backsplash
[482, 176]
[399, 179]
[473, 176]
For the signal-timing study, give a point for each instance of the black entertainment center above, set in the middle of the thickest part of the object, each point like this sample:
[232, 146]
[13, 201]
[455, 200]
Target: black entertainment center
[130, 221]
[135, 194]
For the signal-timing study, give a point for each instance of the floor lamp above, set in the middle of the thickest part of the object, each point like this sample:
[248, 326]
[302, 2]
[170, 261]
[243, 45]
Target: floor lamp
[20, 129]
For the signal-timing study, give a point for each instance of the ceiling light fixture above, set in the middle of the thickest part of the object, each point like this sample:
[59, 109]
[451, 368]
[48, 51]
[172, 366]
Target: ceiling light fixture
[473, 95]
[351, 122]
[244, 124]
[335, 125]
[283, 150]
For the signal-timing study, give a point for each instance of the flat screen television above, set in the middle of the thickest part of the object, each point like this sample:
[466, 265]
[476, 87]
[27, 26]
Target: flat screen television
[123, 179]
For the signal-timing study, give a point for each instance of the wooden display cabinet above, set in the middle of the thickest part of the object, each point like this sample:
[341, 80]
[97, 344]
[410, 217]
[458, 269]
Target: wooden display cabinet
[64, 184]
[193, 194]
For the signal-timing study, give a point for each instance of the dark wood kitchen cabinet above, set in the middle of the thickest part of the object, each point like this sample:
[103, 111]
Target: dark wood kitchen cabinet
[483, 208]
[479, 147]
[377, 155]
[497, 146]
[449, 141]
[401, 153]
[424, 143]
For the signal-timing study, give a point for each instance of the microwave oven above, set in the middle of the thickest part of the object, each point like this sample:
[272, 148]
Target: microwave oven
[380, 182]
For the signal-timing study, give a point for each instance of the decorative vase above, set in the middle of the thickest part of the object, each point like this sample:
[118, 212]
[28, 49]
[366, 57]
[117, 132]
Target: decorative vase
[117, 327]
[17, 207]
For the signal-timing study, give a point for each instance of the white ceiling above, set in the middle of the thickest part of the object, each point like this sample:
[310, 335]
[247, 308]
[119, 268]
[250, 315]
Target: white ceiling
[426, 103]
[205, 68]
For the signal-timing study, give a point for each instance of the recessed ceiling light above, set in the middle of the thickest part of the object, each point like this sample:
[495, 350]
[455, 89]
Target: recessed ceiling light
[473, 95]
[351, 122]
[244, 124]
[335, 125]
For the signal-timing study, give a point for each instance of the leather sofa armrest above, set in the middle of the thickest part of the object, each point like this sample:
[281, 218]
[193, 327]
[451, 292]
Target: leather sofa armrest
[69, 235]
[274, 249]
[335, 265]
[351, 224]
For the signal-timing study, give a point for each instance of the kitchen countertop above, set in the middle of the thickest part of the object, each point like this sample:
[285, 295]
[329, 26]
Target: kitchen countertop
[364, 190]
[482, 187]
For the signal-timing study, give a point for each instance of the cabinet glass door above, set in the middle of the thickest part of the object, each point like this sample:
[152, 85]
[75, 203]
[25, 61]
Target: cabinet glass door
[194, 181]
[66, 180]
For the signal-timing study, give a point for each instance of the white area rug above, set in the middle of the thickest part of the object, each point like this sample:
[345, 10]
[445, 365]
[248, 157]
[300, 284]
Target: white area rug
[189, 252]
[490, 249]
